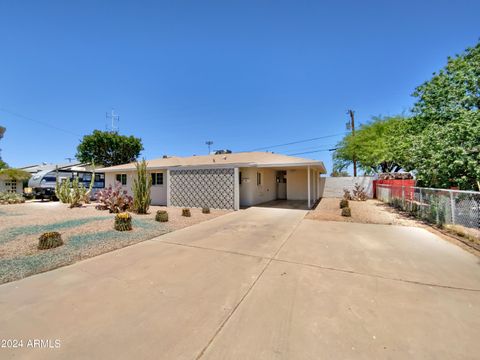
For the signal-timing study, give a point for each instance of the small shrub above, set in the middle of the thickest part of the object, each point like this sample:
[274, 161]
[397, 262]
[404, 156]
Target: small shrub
[359, 193]
[123, 222]
[114, 199]
[206, 210]
[343, 203]
[347, 195]
[50, 240]
[11, 198]
[186, 212]
[161, 216]
[346, 212]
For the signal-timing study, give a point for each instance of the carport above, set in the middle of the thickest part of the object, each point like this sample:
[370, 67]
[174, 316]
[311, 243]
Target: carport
[281, 183]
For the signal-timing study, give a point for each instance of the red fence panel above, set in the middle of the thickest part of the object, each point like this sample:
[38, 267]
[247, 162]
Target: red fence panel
[397, 187]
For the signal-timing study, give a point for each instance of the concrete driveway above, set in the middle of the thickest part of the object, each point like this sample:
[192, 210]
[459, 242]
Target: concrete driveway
[256, 284]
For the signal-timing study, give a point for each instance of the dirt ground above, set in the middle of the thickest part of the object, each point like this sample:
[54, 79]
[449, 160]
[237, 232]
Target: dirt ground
[367, 212]
[375, 212]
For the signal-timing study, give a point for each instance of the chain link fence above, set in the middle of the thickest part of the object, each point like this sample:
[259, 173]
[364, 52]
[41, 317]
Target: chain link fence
[438, 206]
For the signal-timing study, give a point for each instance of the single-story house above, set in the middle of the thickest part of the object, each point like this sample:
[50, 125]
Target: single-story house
[12, 180]
[225, 181]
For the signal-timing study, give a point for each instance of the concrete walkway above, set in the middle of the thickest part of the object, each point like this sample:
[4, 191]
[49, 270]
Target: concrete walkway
[256, 284]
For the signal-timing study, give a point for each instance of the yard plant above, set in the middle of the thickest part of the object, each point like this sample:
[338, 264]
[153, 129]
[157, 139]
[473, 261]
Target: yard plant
[72, 192]
[186, 212]
[11, 198]
[161, 216]
[141, 189]
[206, 210]
[50, 240]
[343, 203]
[114, 199]
[123, 222]
[346, 212]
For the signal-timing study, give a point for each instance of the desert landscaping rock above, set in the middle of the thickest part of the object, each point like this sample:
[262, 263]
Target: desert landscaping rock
[86, 232]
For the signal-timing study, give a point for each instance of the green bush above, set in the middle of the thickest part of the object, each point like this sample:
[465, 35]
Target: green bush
[206, 210]
[186, 212]
[346, 212]
[50, 240]
[343, 203]
[123, 222]
[11, 198]
[161, 216]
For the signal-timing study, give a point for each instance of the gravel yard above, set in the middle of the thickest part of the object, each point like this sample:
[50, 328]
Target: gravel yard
[86, 232]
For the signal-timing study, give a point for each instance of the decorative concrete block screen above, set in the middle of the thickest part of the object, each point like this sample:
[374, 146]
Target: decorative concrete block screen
[214, 188]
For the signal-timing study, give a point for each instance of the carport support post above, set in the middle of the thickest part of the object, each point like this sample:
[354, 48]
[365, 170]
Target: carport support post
[236, 187]
[308, 184]
[168, 187]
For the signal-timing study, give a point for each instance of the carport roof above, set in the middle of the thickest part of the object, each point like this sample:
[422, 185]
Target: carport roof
[241, 159]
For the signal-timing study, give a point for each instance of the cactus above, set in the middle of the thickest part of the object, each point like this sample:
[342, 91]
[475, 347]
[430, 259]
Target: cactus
[343, 203]
[206, 210]
[346, 212]
[186, 212]
[123, 222]
[162, 216]
[50, 240]
[141, 189]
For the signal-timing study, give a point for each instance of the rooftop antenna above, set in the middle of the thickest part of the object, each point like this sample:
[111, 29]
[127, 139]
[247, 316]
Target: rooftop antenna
[209, 143]
[69, 159]
[114, 118]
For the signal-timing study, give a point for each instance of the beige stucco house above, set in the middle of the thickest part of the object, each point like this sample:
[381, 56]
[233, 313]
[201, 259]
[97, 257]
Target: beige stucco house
[228, 181]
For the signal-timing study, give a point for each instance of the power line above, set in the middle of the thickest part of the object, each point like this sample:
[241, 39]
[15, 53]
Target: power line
[37, 121]
[298, 142]
[311, 147]
[311, 152]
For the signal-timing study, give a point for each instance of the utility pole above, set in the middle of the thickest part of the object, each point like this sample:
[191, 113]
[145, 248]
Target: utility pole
[209, 143]
[114, 118]
[351, 126]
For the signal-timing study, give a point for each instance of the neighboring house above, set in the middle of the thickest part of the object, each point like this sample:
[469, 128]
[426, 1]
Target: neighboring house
[10, 185]
[226, 181]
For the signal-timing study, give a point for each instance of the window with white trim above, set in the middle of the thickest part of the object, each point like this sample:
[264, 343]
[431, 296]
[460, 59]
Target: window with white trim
[157, 179]
[122, 178]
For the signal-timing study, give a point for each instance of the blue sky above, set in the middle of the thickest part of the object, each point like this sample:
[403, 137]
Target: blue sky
[245, 74]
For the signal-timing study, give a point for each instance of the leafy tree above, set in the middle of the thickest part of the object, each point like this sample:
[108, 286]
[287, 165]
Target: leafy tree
[377, 146]
[109, 148]
[449, 154]
[451, 91]
[446, 124]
